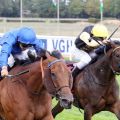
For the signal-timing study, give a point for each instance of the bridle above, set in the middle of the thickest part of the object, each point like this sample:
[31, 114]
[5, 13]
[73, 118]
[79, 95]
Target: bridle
[115, 72]
[111, 67]
[57, 89]
[48, 67]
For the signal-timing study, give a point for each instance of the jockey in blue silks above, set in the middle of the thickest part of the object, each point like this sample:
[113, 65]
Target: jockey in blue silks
[14, 42]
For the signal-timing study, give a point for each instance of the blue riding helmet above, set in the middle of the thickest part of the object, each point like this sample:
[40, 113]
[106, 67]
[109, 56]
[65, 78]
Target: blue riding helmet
[26, 35]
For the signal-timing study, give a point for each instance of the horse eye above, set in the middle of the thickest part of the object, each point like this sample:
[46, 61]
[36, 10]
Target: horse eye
[53, 76]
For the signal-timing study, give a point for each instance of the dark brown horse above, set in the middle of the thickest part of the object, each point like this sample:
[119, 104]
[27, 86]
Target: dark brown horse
[26, 97]
[95, 89]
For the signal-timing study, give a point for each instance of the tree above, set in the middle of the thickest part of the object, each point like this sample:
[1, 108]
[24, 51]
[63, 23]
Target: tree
[6, 8]
[92, 8]
[44, 8]
[75, 8]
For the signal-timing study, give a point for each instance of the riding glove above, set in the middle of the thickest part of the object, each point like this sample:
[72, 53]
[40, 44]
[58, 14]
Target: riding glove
[4, 71]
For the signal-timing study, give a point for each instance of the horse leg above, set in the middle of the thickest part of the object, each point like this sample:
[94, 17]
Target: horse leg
[1, 118]
[87, 112]
[57, 109]
[115, 108]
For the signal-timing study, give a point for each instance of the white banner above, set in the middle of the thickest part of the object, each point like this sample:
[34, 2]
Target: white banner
[62, 43]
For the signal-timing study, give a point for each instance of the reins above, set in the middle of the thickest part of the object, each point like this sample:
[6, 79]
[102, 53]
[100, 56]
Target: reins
[41, 66]
[18, 74]
[56, 88]
[53, 62]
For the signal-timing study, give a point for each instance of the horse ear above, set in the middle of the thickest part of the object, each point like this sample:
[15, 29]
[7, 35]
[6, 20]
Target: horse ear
[113, 45]
[47, 54]
[57, 54]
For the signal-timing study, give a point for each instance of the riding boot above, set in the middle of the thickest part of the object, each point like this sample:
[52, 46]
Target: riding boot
[75, 72]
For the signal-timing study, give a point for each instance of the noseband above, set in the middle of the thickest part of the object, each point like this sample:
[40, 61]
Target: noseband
[49, 65]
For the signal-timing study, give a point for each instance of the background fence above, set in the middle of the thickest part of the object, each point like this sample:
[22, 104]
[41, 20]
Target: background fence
[64, 27]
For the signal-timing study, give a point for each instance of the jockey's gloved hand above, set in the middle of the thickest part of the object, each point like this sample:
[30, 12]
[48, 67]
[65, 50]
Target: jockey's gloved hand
[4, 71]
[106, 42]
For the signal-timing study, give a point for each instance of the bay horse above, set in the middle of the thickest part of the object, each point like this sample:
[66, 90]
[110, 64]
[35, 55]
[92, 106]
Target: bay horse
[95, 89]
[27, 96]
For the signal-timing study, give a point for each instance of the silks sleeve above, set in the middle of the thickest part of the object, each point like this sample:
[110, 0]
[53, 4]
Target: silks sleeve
[6, 49]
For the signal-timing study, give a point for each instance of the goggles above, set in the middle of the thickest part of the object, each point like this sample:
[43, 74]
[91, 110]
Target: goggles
[25, 45]
[99, 38]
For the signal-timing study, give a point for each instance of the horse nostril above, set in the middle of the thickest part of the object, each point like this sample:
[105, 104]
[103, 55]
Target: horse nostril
[67, 104]
[64, 100]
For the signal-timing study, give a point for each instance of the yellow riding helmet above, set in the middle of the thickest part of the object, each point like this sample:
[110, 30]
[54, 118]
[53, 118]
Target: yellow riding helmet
[99, 30]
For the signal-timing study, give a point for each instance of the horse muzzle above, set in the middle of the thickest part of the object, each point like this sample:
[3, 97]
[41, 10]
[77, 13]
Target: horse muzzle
[66, 101]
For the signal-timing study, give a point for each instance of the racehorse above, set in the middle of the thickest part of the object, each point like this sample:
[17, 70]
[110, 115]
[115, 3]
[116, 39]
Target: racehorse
[95, 88]
[24, 95]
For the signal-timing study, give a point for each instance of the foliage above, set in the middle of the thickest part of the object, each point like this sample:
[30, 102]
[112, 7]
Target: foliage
[92, 8]
[46, 8]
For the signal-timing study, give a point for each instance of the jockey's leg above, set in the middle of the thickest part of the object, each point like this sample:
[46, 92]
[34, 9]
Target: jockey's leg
[84, 61]
[93, 56]
[25, 56]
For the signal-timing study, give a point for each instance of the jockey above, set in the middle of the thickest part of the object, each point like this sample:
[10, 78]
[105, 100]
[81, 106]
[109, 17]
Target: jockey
[13, 43]
[88, 41]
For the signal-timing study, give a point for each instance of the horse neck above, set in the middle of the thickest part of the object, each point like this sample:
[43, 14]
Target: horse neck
[102, 68]
[35, 81]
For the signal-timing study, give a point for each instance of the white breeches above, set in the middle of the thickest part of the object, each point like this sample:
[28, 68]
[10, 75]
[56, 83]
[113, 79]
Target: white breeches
[22, 56]
[81, 58]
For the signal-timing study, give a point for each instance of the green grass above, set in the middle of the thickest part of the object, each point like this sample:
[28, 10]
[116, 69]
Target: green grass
[75, 114]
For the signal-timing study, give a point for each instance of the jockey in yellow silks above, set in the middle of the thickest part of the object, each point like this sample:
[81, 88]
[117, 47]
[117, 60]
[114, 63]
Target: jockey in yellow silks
[89, 39]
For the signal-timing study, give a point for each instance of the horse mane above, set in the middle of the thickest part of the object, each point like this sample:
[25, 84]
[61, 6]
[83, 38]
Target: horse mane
[56, 54]
[116, 42]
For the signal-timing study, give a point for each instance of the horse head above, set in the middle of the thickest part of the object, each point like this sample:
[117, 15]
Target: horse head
[115, 58]
[58, 79]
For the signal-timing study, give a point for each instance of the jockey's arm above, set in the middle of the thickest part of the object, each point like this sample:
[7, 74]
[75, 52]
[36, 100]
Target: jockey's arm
[100, 50]
[39, 48]
[6, 50]
[88, 40]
